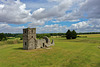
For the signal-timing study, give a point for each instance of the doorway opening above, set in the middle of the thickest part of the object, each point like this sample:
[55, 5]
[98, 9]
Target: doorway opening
[43, 45]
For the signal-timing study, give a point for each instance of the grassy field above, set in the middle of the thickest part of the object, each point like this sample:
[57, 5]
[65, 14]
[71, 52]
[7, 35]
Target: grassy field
[80, 52]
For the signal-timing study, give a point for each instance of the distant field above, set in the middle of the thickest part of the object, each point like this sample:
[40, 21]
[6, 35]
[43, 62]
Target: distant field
[80, 52]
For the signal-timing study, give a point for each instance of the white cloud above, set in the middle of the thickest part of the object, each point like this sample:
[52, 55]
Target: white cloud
[36, 23]
[56, 11]
[1, 6]
[55, 0]
[74, 20]
[91, 8]
[79, 25]
[92, 25]
[15, 12]
[55, 21]
[5, 28]
[38, 11]
[53, 28]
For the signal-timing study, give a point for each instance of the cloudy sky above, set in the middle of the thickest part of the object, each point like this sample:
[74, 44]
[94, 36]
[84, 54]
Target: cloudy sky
[49, 16]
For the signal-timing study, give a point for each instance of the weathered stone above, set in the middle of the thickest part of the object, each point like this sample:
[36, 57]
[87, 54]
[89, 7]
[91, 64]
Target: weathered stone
[47, 40]
[29, 36]
[30, 41]
[52, 42]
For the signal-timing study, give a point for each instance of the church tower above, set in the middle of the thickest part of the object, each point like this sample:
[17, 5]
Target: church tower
[29, 38]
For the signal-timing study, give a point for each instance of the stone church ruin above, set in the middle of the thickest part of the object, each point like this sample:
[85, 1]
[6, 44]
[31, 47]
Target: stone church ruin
[30, 41]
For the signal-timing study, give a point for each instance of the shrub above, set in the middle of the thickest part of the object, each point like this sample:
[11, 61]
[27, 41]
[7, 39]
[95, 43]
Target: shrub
[2, 37]
[12, 41]
[21, 38]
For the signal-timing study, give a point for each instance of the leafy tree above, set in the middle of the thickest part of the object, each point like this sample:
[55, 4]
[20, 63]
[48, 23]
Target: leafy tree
[74, 34]
[71, 34]
[2, 37]
[68, 34]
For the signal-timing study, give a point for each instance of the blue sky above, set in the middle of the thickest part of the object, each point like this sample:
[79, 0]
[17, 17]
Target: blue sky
[49, 16]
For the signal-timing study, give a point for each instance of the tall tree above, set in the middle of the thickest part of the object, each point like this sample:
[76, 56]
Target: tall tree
[74, 34]
[68, 34]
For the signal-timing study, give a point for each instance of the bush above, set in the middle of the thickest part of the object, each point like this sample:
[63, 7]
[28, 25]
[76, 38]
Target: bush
[10, 42]
[2, 37]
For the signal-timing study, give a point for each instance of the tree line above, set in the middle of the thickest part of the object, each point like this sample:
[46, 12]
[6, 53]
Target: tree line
[89, 33]
[49, 34]
[42, 35]
[69, 35]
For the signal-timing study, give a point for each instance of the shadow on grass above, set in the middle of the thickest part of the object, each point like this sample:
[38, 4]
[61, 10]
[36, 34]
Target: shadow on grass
[20, 48]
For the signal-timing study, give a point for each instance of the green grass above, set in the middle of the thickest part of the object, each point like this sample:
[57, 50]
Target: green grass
[80, 52]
